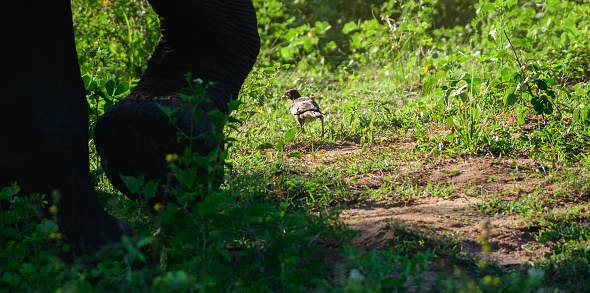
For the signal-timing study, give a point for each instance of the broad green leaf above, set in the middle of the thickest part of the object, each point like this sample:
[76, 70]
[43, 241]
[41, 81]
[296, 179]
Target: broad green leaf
[515, 77]
[45, 270]
[309, 43]
[508, 4]
[150, 188]
[9, 191]
[518, 41]
[286, 53]
[290, 134]
[464, 97]
[110, 87]
[511, 90]
[462, 59]
[510, 99]
[16, 279]
[7, 278]
[107, 105]
[132, 183]
[349, 27]
[521, 117]
[533, 67]
[92, 85]
[224, 154]
[280, 145]
[542, 104]
[27, 268]
[330, 46]
[489, 7]
[321, 27]
[86, 80]
[494, 82]
[167, 111]
[504, 71]
[549, 81]
[578, 115]
[426, 88]
[122, 87]
[573, 30]
[295, 154]
[450, 137]
[541, 84]
[526, 96]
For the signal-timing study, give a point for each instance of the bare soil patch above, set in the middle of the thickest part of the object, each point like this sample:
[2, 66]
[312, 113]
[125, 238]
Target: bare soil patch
[471, 180]
[510, 245]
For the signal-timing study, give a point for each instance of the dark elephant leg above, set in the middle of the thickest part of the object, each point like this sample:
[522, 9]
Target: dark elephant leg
[43, 118]
[216, 40]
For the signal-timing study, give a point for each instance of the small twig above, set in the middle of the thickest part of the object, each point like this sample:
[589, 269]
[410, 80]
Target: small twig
[513, 49]
[522, 72]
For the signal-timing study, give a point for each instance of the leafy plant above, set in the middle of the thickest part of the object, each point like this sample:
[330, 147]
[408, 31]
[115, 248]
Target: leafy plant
[101, 94]
[19, 208]
[407, 85]
[29, 257]
[126, 32]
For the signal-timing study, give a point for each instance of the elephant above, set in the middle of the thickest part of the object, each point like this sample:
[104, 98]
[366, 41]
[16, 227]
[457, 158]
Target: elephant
[44, 113]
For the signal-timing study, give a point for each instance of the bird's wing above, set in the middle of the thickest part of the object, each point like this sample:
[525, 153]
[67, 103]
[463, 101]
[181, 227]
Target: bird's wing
[304, 104]
[316, 106]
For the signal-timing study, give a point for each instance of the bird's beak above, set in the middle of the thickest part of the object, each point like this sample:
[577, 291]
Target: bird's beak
[285, 96]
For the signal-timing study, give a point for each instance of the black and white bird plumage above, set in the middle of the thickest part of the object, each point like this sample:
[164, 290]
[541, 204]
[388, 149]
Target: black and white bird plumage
[304, 109]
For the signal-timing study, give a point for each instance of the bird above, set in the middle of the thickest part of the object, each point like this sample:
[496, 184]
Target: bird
[304, 109]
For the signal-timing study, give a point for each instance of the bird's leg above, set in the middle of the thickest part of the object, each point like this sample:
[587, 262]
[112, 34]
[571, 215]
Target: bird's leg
[322, 118]
[301, 125]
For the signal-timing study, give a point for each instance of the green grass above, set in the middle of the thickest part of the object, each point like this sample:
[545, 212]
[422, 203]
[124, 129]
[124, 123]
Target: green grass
[402, 95]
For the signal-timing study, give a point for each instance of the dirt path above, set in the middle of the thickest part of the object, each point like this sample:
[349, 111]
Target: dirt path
[509, 244]
[470, 180]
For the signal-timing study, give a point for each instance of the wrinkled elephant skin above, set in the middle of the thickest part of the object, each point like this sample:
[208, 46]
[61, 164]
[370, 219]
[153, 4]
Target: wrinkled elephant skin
[43, 111]
[135, 136]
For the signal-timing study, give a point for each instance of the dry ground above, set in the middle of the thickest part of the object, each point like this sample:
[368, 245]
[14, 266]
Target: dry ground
[470, 179]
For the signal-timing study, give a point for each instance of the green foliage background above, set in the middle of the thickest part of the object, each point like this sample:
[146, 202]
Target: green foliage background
[380, 69]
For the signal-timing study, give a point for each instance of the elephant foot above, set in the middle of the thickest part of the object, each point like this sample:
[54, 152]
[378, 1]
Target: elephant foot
[110, 229]
[92, 233]
[135, 137]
